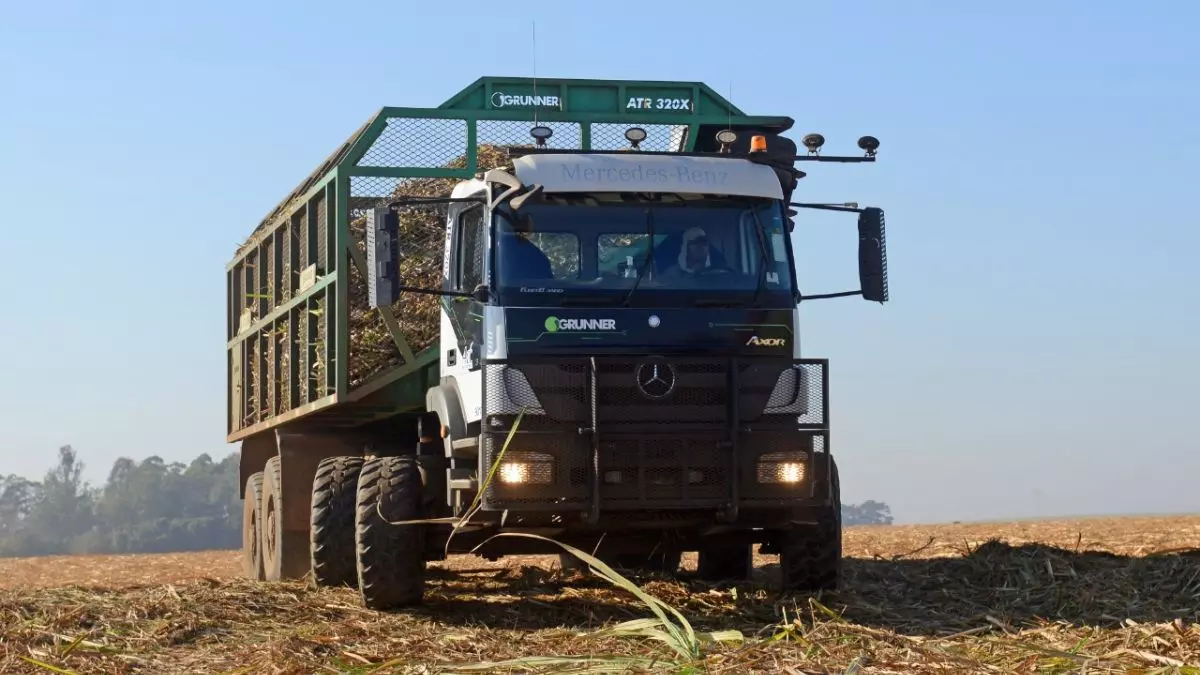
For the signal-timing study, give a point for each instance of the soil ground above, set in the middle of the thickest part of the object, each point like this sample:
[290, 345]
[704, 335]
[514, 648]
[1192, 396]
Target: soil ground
[1089, 595]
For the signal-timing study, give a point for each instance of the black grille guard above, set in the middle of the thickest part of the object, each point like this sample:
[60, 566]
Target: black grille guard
[668, 423]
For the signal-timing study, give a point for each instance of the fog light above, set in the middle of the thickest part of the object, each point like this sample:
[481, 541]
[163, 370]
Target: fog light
[782, 467]
[527, 467]
[791, 472]
[514, 472]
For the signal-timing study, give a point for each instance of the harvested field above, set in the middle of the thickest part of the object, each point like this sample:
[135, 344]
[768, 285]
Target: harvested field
[1095, 596]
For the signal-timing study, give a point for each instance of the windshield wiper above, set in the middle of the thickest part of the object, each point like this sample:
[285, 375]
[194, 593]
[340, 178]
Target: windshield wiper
[649, 256]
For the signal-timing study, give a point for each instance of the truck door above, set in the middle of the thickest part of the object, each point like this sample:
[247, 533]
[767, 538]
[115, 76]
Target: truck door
[467, 273]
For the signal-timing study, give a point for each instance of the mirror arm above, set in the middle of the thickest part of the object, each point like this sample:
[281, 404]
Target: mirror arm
[800, 297]
[827, 207]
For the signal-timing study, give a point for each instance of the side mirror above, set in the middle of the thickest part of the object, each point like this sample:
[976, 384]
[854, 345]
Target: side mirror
[480, 294]
[383, 257]
[519, 200]
[872, 255]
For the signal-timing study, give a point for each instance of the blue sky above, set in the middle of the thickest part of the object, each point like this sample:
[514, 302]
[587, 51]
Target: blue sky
[1039, 356]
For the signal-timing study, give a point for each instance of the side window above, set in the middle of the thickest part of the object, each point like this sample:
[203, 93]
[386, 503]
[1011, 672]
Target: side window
[774, 240]
[470, 248]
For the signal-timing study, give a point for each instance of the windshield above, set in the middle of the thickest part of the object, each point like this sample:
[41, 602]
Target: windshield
[703, 251]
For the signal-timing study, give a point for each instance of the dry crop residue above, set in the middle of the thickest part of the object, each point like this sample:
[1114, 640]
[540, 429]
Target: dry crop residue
[1103, 595]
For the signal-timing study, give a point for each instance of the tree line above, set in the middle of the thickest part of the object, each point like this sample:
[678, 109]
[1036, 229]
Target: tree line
[153, 506]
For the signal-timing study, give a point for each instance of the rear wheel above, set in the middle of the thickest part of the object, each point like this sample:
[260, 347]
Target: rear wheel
[252, 561]
[390, 558]
[331, 534]
[810, 556]
[271, 522]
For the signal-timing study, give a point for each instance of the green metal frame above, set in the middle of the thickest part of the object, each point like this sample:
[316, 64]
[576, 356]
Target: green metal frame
[276, 301]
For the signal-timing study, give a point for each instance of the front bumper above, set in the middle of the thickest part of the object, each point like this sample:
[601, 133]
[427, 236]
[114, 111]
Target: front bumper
[715, 434]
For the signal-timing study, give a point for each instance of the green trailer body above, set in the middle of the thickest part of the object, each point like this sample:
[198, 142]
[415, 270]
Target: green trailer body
[295, 345]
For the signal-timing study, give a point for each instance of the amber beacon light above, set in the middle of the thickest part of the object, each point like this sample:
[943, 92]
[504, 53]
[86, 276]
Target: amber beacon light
[758, 144]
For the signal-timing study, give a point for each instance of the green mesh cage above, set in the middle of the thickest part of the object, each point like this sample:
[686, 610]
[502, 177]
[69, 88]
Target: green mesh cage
[301, 338]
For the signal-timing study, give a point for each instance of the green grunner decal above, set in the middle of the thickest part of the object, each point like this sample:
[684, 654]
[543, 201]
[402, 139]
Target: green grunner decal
[555, 324]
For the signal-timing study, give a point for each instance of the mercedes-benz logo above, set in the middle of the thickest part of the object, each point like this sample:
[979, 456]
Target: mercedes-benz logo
[655, 379]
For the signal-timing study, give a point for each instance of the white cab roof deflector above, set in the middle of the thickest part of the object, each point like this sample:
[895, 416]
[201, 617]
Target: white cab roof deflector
[634, 172]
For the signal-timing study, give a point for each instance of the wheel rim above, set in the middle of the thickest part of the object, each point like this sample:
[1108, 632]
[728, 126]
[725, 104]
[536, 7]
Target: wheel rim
[269, 550]
[254, 534]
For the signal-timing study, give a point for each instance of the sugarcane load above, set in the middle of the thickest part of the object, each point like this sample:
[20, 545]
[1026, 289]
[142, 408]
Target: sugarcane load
[563, 308]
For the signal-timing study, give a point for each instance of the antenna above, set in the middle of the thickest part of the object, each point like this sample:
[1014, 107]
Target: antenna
[535, 108]
[729, 122]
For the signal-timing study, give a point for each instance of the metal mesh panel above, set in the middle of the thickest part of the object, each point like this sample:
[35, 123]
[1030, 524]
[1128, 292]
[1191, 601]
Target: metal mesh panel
[663, 471]
[287, 282]
[318, 364]
[775, 389]
[322, 219]
[267, 286]
[566, 135]
[559, 391]
[417, 142]
[563, 458]
[305, 362]
[286, 366]
[696, 392]
[300, 228]
[782, 467]
[659, 137]
[776, 466]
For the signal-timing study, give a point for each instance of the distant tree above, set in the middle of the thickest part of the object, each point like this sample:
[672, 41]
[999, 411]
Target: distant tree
[155, 506]
[64, 509]
[17, 497]
[869, 512]
[147, 506]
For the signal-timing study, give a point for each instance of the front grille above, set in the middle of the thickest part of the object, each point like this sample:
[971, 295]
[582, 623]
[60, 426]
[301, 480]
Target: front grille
[665, 447]
[658, 471]
[668, 392]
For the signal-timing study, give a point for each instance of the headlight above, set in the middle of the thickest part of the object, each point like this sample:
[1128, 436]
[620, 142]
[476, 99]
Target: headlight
[782, 467]
[519, 468]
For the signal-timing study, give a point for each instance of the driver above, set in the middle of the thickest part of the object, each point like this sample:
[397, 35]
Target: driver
[693, 256]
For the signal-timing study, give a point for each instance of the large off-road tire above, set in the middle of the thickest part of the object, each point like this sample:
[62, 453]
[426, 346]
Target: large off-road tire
[390, 558]
[725, 563]
[331, 532]
[810, 556]
[271, 523]
[252, 561]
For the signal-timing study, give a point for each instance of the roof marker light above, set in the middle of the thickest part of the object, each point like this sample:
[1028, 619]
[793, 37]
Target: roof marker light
[540, 134]
[635, 135]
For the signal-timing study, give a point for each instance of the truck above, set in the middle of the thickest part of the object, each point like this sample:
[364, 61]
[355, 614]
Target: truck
[550, 307]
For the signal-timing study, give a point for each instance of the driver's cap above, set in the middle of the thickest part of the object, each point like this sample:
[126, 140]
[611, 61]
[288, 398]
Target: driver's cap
[693, 234]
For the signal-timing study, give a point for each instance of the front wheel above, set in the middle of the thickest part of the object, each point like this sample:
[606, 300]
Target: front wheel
[810, 556]
[390, 557]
